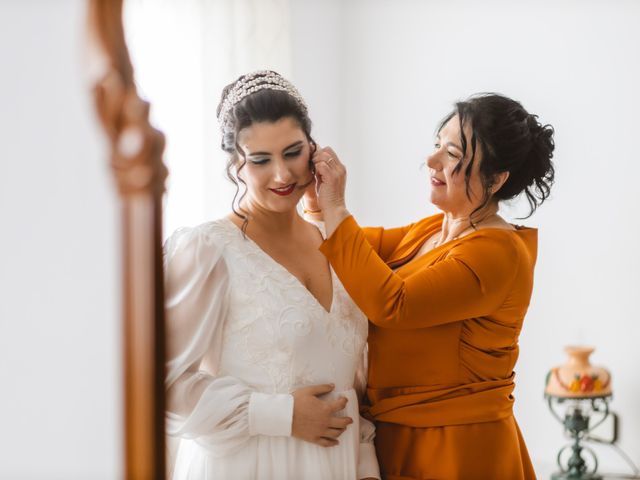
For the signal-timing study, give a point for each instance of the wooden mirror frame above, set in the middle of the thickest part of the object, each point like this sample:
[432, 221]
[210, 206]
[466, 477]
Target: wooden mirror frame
[136, 150]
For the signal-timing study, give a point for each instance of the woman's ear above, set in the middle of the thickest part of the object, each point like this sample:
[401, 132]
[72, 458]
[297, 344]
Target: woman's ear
[498, 181]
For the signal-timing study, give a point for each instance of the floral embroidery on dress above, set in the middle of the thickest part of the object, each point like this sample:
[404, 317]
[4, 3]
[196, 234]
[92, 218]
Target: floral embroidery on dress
[274, 323]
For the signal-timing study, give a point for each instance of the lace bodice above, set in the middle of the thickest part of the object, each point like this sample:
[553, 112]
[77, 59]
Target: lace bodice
[277, 337]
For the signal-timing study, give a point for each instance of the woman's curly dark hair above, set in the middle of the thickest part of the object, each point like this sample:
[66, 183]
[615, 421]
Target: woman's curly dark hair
[511, 140]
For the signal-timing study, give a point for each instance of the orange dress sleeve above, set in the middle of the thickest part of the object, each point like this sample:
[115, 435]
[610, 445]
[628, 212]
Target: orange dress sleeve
[384, 241]
[472, 280]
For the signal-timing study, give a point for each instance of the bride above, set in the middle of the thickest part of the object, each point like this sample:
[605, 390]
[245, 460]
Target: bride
[265, 347]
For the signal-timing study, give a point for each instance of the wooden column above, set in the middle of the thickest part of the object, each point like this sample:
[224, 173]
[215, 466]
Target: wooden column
[136, 150]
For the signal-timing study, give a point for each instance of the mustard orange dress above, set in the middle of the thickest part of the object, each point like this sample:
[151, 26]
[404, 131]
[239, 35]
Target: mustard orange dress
[443, 342]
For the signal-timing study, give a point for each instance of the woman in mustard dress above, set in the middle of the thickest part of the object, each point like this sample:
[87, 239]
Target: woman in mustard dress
[446, 296]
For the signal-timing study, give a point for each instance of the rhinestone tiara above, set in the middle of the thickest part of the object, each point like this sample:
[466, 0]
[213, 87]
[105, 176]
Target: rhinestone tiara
[251, 83]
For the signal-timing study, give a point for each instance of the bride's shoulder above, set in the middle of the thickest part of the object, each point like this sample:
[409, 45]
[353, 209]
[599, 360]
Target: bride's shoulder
[192, 254]
[211, 235]
[221, 227]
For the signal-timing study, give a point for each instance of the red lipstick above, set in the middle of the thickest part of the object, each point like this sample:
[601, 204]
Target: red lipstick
[284, 191]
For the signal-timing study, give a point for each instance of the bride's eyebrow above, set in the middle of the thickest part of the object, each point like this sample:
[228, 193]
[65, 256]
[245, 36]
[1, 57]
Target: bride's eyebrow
[296, 144]
[256, 154]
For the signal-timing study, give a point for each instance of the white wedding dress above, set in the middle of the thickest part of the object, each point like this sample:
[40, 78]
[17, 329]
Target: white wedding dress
[243, 333]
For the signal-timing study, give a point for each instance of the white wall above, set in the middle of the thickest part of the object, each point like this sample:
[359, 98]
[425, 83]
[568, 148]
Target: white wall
[318, 41]
[59, 269]
[380, 74]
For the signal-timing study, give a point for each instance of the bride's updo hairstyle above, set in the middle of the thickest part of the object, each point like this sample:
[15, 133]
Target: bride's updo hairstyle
[511, 140]
[262, 96]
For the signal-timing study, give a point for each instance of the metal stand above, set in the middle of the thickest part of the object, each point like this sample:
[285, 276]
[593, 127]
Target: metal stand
[576, 422]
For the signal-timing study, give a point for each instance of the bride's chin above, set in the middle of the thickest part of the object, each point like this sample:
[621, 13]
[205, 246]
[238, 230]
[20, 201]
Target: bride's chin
[289, 207]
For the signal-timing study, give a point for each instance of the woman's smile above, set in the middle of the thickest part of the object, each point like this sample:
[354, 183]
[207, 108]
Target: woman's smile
[284, 191]
[436, 182]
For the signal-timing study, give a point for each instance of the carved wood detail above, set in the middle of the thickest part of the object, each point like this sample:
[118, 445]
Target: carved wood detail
[136, 150]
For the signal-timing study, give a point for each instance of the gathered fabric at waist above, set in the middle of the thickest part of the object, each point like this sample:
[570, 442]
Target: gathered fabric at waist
[438, 405]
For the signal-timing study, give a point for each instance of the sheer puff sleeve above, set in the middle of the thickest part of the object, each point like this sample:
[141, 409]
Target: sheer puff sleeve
[219, 412]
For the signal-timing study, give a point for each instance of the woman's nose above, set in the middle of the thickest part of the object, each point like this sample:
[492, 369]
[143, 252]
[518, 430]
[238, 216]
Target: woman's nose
[282, 172]
[433, 161]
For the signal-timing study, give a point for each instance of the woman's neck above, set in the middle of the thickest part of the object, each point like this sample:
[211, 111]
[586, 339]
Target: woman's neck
[454, 225]
[269, 222]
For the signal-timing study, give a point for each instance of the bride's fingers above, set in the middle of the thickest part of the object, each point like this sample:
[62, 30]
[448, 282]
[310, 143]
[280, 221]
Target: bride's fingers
[333, 432]
[340, 422]
[327, 442]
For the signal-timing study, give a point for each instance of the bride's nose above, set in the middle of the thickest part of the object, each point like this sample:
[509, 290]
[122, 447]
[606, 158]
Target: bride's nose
[282, 173]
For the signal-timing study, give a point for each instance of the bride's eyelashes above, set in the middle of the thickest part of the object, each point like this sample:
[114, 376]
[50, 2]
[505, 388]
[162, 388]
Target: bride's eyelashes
[288, 155]
[293, 154]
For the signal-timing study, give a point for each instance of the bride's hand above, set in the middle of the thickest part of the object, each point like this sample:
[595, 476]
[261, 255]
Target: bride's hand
[315, 420]
[331, 179]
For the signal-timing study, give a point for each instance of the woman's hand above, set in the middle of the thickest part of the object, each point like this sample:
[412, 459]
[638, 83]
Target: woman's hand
[331, 179]
[315, 420]
[310, 199]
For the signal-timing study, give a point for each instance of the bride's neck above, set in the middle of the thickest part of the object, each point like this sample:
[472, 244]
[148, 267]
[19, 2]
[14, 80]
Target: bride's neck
[270, 222]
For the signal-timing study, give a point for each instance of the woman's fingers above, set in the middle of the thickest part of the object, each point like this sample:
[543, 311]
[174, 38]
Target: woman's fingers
[327, 442]
[331, 179]
[326, 155]
[334, 432]
[326, 172]
[314, 419]
[330, 151]
[340, 422]
[333, 160]
[338, 404]
[315, 390]
[333, 155]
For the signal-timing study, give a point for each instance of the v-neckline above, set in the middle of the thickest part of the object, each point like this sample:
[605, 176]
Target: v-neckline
[411, 258]
[285, 270]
